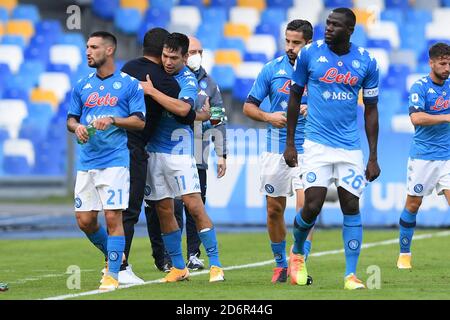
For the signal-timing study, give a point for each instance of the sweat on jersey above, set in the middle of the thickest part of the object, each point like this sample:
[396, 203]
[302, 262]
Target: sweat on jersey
[173, 137]
[274, 81]
[333, 83]
[117, 95]
[430, 142]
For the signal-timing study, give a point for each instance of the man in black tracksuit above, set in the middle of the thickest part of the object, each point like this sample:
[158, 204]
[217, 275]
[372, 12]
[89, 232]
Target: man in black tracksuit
[137, 141]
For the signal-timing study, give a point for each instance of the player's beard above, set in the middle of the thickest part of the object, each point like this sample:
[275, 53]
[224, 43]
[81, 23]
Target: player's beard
[442, 76]
[97, 64]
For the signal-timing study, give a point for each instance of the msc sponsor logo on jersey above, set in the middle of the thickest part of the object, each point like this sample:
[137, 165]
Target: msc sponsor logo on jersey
[95, 100]
[341, 96]
[332, 75]
[440, 104]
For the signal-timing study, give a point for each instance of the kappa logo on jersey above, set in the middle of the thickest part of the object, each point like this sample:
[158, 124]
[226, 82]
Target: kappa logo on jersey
[322, 59]
[333, 76]
[440, 104]
[192, 83]
[431, 90]
[87, 86]
[282, 72]
[286, 87]
[94, 100]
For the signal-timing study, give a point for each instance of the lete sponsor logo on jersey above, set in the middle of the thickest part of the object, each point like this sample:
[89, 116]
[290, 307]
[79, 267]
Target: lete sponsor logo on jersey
[333, 76]
[95, 100]
[440, 104]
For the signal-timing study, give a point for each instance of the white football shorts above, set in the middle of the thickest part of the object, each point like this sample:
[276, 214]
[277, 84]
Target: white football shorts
[425, 175]
[277, 178]
[170, 176]
[107, 189]
[323, 165]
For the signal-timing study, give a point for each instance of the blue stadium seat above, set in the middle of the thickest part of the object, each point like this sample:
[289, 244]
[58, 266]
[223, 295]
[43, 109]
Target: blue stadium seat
[147, 25]
[280, 3]
[33, 132]
[359, 36]
[422, 67]
[5, 71]
[4, 135]
[32, 69]
[44, 41]
[232, 43]
[74, 38]
[224, 76]
[338, 3]
[394, 14]
[412, 36]
[241, 88]
[48, 27]
[163, 4]
[214, 15]
[319, 32]
[275, 15]
[401, 4]
[12, 39]
[57, 67]
[223, 3]
[418, 16]
[37, 53]
[21, 82]
[445, 3]
[4, 15]
[16, 165]
[268, 28]
[379, 43]
[157, 15]
[16, 93]
[47, 164]
[127, 20]
[105, 9]
[209, 40]
[196, 3]
[26, 12]
[257, 57]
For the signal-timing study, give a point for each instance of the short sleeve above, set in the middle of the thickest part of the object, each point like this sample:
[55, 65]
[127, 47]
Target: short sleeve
[136, 101]
[75, 101]
[261, 86]
[300, 73]
[416, 98]
[370, 82]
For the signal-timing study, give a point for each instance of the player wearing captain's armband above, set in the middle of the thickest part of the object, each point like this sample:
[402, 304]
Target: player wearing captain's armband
[429, 157]
[334, 71]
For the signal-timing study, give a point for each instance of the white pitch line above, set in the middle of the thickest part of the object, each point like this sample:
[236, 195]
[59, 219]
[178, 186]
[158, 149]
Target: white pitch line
[257, 264]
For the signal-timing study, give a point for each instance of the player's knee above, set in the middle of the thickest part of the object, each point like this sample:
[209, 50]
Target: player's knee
[274, 211]
[87, 225]
[413, 204]
[312, 208]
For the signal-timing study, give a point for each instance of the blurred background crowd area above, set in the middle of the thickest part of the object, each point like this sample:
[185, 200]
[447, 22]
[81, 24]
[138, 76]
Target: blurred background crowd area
[42, 55]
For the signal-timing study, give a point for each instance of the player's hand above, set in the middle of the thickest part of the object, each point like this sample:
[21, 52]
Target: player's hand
[81, 133]
[277, 119]
[372, 170]
[102, 123]
[205, 113]
[221, 167]
[290, 156]
[147, 86]
[304, 110]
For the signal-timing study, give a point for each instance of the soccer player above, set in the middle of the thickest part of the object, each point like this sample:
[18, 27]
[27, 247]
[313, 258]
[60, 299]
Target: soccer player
[172, 170]
[429, 157]
[334, 71]
[277, 179]
[110, 101]
[149, 63]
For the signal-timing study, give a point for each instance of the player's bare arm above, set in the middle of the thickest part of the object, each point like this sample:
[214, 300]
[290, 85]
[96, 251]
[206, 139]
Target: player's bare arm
[371, 124]
[277, 119]
[132, 122]
[290, 153]
[80, 131]
[175, 106]
[426, 119]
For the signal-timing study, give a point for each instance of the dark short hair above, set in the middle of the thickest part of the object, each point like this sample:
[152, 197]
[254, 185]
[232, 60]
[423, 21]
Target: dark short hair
[175, 41]
[106, 36]
[439, 50]
[303, 26]
[349, 15]
[154, 41]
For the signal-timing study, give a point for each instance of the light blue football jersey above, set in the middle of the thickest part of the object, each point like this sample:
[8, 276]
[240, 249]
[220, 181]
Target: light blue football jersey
[118, 95]
[274, 81]
[171, 136]
[333, 84]
[430, 142]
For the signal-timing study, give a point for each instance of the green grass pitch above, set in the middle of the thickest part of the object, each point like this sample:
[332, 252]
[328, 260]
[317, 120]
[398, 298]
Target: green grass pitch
[36, 269]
